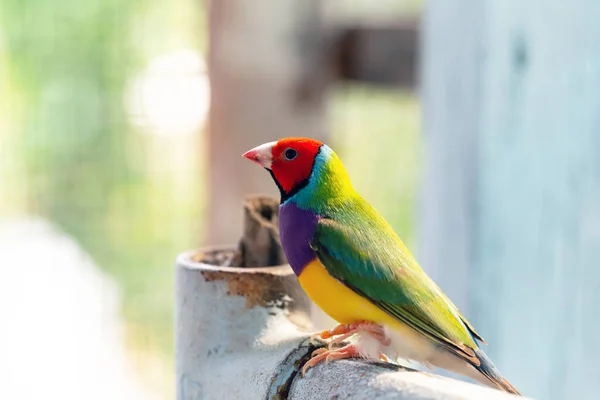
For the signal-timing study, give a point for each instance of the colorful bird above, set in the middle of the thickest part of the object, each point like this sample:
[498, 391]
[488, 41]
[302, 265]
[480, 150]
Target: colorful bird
[352, 264]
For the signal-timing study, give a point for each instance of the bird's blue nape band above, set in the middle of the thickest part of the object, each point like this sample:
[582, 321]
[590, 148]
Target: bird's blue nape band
[303, 198]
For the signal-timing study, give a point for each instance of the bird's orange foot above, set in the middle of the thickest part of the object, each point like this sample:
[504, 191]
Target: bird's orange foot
[348, 351]
[344, 331]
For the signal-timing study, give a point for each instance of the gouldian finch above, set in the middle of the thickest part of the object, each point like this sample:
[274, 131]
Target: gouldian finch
[354, 266]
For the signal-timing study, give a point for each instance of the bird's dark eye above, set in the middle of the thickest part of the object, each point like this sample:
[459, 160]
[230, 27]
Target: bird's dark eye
[290, 154]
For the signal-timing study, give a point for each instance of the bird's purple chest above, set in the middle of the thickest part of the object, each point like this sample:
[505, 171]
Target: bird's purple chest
[296, 228]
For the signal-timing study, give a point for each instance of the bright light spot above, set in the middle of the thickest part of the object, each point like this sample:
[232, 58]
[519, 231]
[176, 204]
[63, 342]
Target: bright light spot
[172, 96]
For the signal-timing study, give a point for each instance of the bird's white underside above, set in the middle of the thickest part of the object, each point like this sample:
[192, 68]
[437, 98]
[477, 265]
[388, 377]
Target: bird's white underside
[422, 351]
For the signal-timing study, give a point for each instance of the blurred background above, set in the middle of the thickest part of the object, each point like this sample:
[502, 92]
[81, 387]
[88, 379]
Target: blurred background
[472, 126]
[103, 181]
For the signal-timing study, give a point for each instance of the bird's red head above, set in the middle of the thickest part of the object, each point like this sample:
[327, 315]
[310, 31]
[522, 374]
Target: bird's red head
[289, 160]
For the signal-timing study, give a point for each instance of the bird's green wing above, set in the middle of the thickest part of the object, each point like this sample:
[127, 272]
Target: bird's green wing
[361, 250]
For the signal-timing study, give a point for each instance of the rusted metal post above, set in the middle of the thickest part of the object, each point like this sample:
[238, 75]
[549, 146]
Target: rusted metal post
[233, 327]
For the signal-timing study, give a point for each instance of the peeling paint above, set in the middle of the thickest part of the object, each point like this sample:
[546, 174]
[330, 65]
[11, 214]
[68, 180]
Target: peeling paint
[259, 289]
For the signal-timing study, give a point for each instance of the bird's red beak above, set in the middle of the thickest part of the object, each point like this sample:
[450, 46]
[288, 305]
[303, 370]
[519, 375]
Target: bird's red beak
[262, 155]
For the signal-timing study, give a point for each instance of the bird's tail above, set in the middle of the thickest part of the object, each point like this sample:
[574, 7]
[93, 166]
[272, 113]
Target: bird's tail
[487, 368]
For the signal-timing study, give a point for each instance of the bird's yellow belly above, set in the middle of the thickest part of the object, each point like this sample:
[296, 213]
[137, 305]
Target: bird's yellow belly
[346, 307]
[338, 301]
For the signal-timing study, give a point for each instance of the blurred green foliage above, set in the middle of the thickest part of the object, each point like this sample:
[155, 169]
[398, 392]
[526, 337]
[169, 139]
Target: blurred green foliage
[75, 159]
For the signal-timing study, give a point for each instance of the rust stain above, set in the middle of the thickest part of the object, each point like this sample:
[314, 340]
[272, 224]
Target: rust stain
[259, 289]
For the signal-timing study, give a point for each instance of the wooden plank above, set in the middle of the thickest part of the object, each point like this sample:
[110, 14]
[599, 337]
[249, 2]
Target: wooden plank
[527, 225]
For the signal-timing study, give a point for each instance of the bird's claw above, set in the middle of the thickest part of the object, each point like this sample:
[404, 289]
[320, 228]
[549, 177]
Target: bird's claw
[345, 331]
[323, 335]
[318, 351]
[348, 351]
[339, 334]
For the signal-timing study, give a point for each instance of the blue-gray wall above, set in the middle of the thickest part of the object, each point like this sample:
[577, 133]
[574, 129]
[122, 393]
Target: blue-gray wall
[510, 202]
